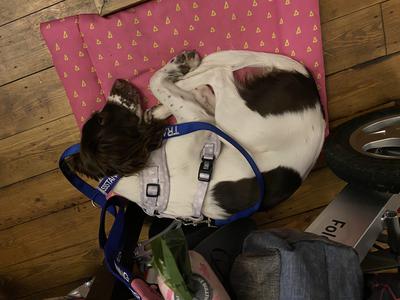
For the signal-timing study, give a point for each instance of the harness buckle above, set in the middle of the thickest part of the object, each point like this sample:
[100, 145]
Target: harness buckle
[152, 190]
[205, 170]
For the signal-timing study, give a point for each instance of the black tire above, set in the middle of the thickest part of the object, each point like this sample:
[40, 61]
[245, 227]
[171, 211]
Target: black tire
[356, 168]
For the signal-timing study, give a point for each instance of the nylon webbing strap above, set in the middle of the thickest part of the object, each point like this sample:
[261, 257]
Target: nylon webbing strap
[118, 238]
[186, 128]
[94, 194]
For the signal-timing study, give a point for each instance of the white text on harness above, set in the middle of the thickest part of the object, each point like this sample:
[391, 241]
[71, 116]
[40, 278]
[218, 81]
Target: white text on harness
[171, 131]
[106, 185]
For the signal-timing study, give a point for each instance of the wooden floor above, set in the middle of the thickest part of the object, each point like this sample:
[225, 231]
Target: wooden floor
[48, 231]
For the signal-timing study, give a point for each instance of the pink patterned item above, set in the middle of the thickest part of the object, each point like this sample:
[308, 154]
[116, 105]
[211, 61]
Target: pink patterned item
[90, 52]
[209, 287]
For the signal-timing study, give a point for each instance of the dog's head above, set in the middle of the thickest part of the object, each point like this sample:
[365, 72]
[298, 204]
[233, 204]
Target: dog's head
[115, 140]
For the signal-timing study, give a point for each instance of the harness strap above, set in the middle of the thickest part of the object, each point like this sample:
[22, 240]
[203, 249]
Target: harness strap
[186, 128]
[153, 179]
[150, 190]
[210, 152]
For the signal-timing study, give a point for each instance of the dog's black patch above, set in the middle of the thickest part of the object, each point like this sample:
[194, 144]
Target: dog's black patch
[235, 196]
[182, 61]
[278, 92]
[184, 69]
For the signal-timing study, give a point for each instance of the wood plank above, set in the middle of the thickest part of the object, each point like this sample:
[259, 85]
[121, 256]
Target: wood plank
[35, 151]
[316, 191]
[32, 101]
[48, 234]
[37, 197]
[363, 87]
[330, 10]
[57, 291]
[22, 49]
[300, 221]
[391, 21]
[106, 7]
[61, 266]
[21, 8]
[64, 262]
[54, 232]
[338, 122]
[353, 39]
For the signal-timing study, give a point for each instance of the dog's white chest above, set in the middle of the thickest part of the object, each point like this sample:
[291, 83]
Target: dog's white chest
[183, 191]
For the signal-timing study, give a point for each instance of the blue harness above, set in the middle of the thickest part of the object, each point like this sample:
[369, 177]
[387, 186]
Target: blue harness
[98, 195]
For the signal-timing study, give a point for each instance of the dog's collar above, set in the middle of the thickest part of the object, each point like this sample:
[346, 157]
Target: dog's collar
[116, 99]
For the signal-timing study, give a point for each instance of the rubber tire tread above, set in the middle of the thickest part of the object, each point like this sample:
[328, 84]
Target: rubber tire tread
[356, 168]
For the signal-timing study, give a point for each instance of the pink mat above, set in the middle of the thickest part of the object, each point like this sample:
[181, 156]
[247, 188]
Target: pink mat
[90, 52]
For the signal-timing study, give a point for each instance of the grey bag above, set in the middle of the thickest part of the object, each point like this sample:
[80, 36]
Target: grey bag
[291, 265]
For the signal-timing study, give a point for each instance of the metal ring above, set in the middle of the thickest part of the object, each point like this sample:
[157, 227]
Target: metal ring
[94, 204]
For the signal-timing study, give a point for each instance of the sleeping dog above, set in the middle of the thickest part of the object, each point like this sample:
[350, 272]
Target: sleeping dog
[268, 103]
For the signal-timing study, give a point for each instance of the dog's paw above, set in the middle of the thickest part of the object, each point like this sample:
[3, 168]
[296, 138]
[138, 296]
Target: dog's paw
[182, 64]
[157, 112]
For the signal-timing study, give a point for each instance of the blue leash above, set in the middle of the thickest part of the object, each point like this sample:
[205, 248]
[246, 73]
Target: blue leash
[117, 237]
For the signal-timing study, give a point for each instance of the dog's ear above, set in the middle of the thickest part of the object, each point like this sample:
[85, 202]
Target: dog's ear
[128, 94]
[125, 90]
[75, 164]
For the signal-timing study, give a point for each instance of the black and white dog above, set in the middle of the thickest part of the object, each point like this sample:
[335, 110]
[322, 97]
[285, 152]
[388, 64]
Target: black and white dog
[269, 103]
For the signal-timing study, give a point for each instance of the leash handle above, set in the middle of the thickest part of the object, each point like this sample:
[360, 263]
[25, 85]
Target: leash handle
[113, 244]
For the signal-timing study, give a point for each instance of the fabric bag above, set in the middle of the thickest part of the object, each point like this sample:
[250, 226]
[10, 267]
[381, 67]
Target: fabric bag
[286, 264]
